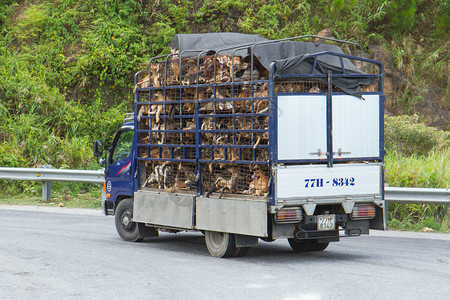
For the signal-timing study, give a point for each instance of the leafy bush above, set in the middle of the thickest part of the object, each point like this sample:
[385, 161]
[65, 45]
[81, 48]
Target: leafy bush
[6, 10]
[277, 20]
[443, 19]
[220, 15]
[403, 14]
[404, 134]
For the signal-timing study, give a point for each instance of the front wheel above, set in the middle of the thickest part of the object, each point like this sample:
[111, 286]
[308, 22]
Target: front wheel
[221, 244]
[126, 228]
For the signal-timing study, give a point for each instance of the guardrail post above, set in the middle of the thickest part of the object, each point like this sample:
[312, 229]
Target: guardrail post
[386, 214]
[46, 187]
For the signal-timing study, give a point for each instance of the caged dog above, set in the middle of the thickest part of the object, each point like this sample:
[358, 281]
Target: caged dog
[259, 186]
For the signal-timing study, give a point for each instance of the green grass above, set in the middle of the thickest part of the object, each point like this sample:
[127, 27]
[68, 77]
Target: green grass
[428, 171]
[87, 200]
[69, 194]
[424, 225]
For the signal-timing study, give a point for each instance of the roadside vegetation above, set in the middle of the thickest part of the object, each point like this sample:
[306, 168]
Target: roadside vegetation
[417, 156]
[70, 195]
[67, 74]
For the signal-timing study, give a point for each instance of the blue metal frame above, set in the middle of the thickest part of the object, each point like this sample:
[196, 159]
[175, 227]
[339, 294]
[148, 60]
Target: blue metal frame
[273, 138]
[329, 78]
[330, 122]
[198, 116]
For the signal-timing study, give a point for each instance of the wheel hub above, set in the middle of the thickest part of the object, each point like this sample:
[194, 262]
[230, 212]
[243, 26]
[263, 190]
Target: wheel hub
[217, 239]
[126, 219]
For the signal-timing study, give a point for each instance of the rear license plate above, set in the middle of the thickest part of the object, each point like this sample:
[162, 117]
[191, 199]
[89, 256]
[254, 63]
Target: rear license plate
[326, 222]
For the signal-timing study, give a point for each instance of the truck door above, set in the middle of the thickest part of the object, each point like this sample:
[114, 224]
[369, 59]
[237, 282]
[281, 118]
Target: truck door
[303, 135]
[118, 177]
[317, 138]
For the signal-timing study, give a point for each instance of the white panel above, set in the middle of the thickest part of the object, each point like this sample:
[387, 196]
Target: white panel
[300, 182]
[356, 126]
[240, 216]
[163, 209]
[302, 127]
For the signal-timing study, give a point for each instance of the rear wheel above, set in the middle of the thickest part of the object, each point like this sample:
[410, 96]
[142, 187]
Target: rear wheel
[126, 228]
[241, 251]
[221, 244]
[302, 245]
[321, 247]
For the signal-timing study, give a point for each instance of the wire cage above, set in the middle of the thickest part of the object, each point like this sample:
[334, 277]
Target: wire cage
[203, 121]
[192, 131]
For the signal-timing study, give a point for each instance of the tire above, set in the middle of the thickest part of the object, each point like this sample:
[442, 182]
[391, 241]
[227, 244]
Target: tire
[241, 251]
[321, 247]
[302, 245]
[267, 239]
[220, 244]
[126, 229]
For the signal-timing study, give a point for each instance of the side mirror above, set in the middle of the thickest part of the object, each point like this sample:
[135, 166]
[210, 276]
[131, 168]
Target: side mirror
[98, 148]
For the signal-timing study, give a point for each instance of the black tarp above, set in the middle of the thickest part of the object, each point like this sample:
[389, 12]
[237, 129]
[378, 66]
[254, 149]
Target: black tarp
[215, 42]
[290, 57]
[298, 58]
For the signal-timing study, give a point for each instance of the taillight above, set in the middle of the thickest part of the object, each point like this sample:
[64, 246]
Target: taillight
[288, 215]
[363, 211]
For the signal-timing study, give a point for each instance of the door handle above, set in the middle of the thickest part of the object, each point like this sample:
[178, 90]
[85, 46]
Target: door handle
[340, 152]
[318, 153]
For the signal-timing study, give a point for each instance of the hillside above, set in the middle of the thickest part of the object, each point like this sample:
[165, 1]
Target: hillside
[67, 67]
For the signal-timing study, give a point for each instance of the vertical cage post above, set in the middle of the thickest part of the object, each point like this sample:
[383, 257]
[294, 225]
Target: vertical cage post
[329, 122]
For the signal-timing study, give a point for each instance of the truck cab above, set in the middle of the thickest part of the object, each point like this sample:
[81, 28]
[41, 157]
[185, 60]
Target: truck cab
[118, 165]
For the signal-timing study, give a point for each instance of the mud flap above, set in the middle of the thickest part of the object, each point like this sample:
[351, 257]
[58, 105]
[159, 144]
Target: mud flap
[246, 240]
[378, 222]
[362, 225]
[146, 231]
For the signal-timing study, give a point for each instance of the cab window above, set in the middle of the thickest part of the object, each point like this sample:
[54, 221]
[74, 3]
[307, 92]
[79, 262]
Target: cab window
[122, 146]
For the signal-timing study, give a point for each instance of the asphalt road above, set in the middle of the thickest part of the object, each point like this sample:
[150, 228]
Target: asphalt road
[63, 254]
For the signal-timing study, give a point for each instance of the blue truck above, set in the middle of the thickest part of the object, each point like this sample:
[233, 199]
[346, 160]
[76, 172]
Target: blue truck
[248, 139]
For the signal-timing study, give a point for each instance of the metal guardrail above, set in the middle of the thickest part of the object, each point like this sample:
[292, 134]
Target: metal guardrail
[46, 175]
[417, 195]
[414, 195]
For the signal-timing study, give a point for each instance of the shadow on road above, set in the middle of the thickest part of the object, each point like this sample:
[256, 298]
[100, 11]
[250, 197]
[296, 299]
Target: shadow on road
[194, 243]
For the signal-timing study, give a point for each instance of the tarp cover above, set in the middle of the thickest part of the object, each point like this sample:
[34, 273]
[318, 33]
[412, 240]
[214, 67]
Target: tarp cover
[290, 57]
[214, 41]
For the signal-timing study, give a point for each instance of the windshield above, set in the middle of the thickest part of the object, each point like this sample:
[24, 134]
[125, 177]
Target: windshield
[122, 148]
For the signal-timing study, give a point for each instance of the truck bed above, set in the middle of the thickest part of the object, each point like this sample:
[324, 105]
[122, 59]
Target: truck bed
[210, 124]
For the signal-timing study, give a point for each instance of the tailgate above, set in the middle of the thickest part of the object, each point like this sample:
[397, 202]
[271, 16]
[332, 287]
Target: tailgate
[357, 182]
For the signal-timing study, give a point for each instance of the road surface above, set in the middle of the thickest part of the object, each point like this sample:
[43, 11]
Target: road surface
[58, 253]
